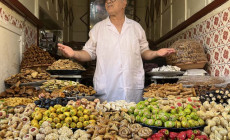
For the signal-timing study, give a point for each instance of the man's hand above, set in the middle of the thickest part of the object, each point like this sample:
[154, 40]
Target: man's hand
[66, 50]
[165, 52]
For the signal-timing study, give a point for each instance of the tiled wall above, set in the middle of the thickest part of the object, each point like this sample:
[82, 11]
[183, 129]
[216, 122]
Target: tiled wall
[7, 16]
[16, 34]
[213, 31]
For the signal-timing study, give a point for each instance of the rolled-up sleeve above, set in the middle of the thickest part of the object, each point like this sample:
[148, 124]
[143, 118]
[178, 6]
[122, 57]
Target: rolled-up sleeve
[91, 44]
[144, 45]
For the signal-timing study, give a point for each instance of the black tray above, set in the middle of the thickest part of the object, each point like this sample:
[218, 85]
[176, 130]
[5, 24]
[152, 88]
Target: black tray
[90, 98]
[64, 72]
[75, 129]
[156, 129]
[34, 83]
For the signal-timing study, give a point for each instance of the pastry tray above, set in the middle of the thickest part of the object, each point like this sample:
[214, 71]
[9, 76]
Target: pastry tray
[35, 83]
[165, 73]
[64, 72]
[90, 98]
[156, 129]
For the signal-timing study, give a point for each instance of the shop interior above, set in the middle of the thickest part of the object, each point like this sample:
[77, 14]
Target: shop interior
[45, 95]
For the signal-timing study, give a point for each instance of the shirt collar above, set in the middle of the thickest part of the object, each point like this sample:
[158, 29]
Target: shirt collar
[109, 23]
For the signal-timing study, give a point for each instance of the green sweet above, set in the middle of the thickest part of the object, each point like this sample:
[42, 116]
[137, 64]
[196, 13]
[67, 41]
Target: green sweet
[155, 111]
[149, 100]
[136, 112]
[138, 118]
[187, 111]
[150, 107]
[147, 114]
[164, 118]
[173, 111]
[141, 102]
[157, 117]
[189, 107]
[196, 123]
[146, 103]
[184, 124]
[169, 124]
[194, 116]
[201, 122]
[153, 103]
[173, 117]
[182, 113]
[131, 110]
[188, 117]
[141, 112]
[141, 106]
[180, 109]
[154, 117]
[191, 123]
[143, 119]
[158, 123]
[178, 124]
[150, 122]
[153, 99]
[194, 110]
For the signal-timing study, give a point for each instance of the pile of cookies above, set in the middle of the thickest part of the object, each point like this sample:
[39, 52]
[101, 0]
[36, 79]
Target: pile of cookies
[36, 57]
[165, 90]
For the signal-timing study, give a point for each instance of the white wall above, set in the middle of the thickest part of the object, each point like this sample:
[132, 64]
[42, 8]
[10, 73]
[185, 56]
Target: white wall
[10, 52]
[29, 4]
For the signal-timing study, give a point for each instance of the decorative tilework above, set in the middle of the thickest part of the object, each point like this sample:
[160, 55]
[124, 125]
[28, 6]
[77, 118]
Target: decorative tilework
[214, 34]
[30, 33]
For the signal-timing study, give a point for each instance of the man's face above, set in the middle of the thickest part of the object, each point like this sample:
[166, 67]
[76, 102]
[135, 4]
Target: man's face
[115, 6]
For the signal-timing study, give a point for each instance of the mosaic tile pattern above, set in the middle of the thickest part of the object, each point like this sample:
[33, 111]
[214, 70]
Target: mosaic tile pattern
[214, 34]
[30, 33]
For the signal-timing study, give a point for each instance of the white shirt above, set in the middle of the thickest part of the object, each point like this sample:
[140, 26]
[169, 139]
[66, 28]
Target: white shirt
[119, 67]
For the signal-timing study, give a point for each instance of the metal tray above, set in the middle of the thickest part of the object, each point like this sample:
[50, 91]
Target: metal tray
[165, 73]
[65, 72]
[90, 98]
[37, 83]
[156, 129]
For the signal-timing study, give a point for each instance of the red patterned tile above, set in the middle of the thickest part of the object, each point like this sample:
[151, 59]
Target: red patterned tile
[207, 25]
[216, 37]
[189, 34]
[216, 70]
[225, 35]
[226, 70]
[208, 41]
[217, 56]
[225, 17]
[216, 21]
[226, 54]
[200, 29]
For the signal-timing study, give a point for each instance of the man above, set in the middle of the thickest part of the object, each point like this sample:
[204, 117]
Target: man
[119, 44]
